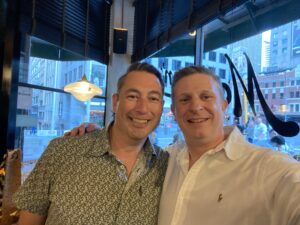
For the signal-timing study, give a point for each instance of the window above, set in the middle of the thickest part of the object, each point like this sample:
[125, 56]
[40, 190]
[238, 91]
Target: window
[291, 94]
[188, 64]
[212, 56]
[168, 127]
[222, 58]
[284, 50]
[162, 63]
[148, 60]
[284, 41]
[75, 74]
[212, 69]
[291, 108]
[222, 73]
[44, 114]
[276, 66]
[66, 79]
[80, 73]
[176, 65]
[284, 33]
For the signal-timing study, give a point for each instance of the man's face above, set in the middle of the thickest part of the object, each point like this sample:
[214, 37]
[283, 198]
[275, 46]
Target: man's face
[138, 105]
[199, 108]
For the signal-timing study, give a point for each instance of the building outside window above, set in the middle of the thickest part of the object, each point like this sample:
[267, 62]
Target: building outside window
[222, 58]
[44, 110]
[176, 64]
[222, 73]
[212, 56]
[270, 67]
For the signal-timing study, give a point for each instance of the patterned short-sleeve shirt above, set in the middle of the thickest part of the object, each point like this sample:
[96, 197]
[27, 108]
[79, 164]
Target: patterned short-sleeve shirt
[77, 181]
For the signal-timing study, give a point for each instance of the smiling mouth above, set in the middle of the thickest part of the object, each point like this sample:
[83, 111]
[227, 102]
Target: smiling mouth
[201, 120]
[140, 121]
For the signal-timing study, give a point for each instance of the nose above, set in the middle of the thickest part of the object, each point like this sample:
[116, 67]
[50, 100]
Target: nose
[142, 105]
[196, 104]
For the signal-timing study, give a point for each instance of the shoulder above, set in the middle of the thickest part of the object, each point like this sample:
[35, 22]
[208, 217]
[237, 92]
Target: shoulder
[73, 145]
[160, 153]
[276, 164]
[175, 149]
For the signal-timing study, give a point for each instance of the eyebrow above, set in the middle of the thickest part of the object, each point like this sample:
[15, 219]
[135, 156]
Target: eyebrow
[138, 92]
[202, 92]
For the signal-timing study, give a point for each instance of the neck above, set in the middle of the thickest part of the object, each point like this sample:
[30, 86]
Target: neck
[199, 147]
[124, 148]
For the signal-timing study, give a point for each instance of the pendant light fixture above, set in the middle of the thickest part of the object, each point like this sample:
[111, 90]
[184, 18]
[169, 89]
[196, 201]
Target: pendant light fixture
[83, 90]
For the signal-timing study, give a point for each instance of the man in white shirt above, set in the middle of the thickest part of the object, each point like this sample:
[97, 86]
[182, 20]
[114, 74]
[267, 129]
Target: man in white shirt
[218, 177]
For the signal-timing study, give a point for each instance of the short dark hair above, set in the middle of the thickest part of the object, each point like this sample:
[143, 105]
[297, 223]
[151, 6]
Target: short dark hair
[146, 67]
[279, 140]
[190, 70]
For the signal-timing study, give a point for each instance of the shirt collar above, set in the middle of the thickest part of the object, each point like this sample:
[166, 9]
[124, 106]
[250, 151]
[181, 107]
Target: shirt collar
[101, 144]
[235, 145]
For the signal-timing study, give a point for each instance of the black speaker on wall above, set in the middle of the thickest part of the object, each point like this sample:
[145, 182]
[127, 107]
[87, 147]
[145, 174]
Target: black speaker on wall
[120, 40]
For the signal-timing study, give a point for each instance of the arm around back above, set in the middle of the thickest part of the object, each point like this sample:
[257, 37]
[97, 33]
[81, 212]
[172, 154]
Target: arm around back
[27, 218]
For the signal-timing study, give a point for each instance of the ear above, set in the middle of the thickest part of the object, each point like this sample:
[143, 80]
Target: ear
[224, 105]
[115, 100]
[173, 111]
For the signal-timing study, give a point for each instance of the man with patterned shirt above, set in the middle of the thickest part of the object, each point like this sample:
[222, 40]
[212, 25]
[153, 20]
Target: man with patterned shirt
[111, 176]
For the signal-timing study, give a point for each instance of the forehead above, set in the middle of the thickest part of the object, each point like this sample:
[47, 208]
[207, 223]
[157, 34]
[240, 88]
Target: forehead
[141, 80]
[196, 82]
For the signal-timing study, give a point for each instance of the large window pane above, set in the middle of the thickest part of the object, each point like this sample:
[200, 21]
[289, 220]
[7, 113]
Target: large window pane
[174, 57]
[44, 111]
[276, 60]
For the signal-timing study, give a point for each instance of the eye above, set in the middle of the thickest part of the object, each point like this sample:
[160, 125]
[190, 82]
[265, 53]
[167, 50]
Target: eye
[184, 99]
[207, 97]
[154, 99]
[132, 97]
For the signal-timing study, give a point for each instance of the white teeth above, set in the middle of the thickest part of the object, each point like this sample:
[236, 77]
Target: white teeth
[140, 121]
[197, 120]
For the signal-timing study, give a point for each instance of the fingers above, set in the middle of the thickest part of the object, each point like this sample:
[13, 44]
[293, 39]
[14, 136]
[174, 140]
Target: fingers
[76, 131]
[91, 127]
[68, 133]
[81, 129]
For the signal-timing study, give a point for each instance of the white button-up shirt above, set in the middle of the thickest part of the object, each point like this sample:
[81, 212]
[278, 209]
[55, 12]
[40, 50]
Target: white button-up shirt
[234, 184]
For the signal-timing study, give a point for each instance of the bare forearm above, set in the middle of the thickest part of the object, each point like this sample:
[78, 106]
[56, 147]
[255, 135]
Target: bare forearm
[27, 218]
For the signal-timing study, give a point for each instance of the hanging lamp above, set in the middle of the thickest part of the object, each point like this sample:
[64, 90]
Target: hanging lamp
[83, 90]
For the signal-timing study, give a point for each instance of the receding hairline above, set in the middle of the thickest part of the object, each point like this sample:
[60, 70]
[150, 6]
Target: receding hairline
[215, 79]
[148, 74]
[141, 67]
